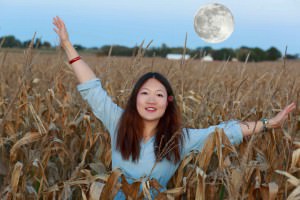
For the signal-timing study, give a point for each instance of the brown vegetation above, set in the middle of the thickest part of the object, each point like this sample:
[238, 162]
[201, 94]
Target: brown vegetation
[52, 146]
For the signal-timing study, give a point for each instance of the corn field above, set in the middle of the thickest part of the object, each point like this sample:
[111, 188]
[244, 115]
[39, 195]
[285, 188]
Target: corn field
[53, 147]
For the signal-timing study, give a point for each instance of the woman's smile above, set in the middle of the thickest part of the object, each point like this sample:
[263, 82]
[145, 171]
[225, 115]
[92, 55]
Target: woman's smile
[151, 109]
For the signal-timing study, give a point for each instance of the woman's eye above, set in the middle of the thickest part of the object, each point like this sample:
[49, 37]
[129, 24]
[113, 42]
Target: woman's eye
[160, 95]
[144, 93]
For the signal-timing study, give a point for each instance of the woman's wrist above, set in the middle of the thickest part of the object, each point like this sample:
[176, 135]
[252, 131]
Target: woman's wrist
[265, 124]
[70, 50]
[268, 124]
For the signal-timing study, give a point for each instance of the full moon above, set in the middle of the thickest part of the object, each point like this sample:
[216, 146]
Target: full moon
[214, 23]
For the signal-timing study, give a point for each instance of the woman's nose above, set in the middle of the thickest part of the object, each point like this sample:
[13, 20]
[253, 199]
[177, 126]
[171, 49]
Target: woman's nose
[151, 98]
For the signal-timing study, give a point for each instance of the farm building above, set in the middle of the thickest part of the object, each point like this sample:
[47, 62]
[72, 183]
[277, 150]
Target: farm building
[173, 56]
[207, 58]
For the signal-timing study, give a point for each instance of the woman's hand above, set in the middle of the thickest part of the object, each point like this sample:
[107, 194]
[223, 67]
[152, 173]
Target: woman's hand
[61, 30]
[279, 119]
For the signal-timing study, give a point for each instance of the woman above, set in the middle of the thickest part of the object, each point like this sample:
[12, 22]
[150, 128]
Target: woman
[148, 131]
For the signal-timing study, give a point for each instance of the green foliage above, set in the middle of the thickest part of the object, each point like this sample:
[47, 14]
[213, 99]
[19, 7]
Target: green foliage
[79, 47]
[242, 53]
[46, 45]
[117, 50]
[223, 54]
[164, 50]
[11, 41]
[258, 54]
[26, 43]
[292, 57]
[253, 54]
[273, 54]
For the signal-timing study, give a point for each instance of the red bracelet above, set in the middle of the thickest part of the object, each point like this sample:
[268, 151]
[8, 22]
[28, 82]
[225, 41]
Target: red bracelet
[74, 59]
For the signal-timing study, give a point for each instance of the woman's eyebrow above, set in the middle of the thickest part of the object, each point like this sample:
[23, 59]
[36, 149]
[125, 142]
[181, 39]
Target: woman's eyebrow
[158, 90]
[144, 88]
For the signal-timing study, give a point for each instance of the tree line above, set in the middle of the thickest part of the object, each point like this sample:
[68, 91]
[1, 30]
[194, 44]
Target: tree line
[243, 53]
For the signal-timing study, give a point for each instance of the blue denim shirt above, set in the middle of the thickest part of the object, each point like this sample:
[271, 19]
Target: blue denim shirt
[109, 113]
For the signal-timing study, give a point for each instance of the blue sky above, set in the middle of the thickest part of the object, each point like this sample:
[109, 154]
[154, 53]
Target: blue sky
[93, 23]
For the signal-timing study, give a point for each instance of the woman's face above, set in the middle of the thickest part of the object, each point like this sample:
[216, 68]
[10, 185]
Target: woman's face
[152, 100]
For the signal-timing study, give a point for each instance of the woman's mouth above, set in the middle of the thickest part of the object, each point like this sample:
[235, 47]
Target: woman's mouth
[150, 109]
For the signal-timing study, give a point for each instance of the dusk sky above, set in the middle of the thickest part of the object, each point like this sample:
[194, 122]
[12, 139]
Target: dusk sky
[93, 23]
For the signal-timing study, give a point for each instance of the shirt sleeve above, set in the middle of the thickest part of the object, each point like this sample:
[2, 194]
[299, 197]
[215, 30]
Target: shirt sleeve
[195, 138]
[102, 105]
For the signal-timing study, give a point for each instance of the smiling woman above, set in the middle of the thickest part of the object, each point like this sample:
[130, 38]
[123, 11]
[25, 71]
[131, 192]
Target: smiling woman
[147, 138]
[149, 113]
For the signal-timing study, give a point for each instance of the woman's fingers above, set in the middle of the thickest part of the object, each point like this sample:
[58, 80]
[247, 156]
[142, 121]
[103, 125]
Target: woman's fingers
[60, 29]
[282, 116]
[59, 26]
[56, 31]
[55, 23]
[289, 108]
[58, 23]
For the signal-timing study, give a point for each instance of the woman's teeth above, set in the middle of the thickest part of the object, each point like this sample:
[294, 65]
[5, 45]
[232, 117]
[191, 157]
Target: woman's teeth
[151, 109]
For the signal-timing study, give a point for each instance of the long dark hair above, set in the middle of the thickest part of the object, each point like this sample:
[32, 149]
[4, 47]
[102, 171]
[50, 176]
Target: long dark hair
[168, 138]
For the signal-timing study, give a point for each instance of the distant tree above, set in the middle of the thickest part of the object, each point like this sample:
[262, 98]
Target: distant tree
[207, 49]
[104, 50]
[26, 43]
[120, 50]
[46, 45]
[176, 50]
[255, 54]
[153, 51]
[202, 51]
[292, 57]
[242, 53]
[11, 41]
[223, 54]
[273, 54]
[195, 53]
[117, 50]
[93, 48]
[164, 50]
[258, 54]
[38, 43]
[79, 47]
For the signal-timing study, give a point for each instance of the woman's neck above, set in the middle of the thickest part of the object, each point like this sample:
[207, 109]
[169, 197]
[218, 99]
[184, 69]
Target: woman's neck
[149, 130]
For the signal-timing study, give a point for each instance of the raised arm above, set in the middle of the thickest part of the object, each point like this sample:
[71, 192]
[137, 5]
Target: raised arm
[249, 128]
[234, 130]
[90, 88]
[82, 70]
